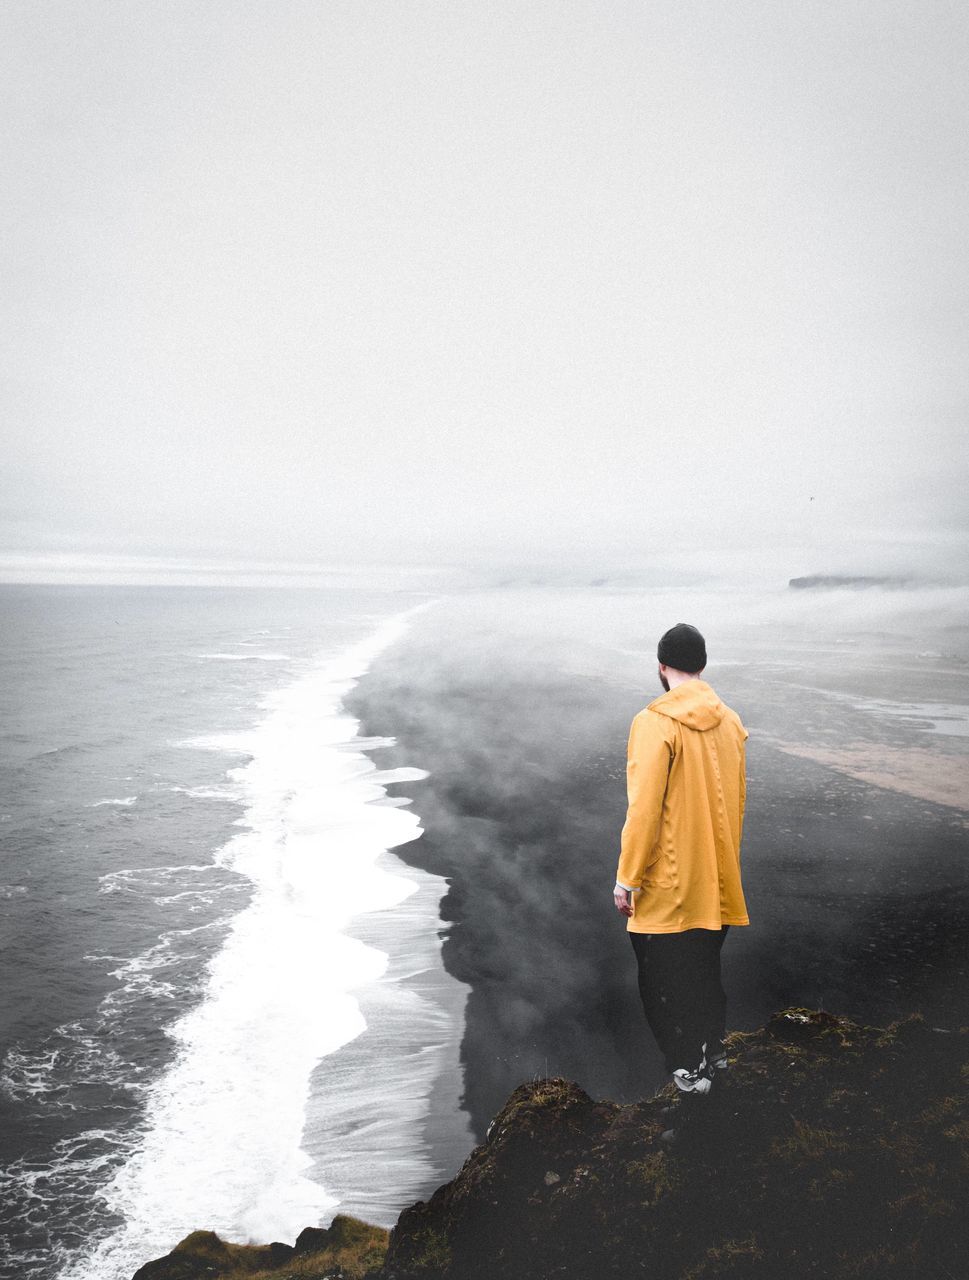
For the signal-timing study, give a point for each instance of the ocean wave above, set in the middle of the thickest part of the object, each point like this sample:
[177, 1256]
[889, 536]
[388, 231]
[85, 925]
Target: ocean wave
[384, 777]
[70, 1058]
[70, 1178]
[246, 657]
[123, 802]
[153, 987]
[228, 743]
[151, 879]
[208, 793]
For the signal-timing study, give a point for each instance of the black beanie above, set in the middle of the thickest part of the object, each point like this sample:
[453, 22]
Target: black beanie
[683, 649]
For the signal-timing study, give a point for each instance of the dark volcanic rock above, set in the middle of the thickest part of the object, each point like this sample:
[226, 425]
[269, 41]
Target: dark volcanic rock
[828, 580]
[829, 1149]
[495, 1211]
[280, 1253]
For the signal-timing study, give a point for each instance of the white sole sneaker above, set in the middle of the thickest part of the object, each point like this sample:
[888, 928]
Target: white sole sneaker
[690, 1081]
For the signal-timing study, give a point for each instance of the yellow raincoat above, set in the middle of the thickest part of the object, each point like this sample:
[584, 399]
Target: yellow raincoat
[686, 784]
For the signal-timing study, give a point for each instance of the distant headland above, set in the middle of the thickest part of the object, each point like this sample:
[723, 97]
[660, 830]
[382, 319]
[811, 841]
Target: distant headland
[825, 581]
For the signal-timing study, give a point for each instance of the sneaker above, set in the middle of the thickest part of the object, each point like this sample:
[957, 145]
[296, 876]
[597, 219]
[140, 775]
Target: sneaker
[691, 1081]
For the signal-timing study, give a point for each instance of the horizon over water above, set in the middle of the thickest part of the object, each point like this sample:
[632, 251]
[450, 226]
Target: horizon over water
[192, 824]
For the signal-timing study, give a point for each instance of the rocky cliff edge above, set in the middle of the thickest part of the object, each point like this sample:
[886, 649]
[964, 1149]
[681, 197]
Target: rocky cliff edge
[829, 1149]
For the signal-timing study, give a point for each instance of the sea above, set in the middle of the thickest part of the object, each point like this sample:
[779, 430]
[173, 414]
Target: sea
[222, 1000]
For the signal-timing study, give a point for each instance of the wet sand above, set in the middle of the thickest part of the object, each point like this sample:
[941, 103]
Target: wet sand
[920, 772]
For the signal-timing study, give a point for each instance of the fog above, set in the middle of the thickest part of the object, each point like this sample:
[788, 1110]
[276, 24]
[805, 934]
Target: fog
[669, 284]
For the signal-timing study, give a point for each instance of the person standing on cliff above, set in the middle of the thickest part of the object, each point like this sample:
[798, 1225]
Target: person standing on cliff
[678, 881]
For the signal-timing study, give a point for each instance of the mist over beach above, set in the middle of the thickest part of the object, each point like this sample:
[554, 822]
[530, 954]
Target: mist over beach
[518, 703]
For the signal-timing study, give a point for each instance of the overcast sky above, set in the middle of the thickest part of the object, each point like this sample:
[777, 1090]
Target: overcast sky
[549, 280]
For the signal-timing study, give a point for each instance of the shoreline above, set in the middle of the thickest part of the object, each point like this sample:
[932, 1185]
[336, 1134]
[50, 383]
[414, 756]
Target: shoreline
[414, 1015]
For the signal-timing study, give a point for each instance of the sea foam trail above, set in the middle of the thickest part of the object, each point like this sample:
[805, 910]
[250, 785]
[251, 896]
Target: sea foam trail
[224, 1126]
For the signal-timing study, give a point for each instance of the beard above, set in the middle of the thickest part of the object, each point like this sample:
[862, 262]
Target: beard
[664, 682]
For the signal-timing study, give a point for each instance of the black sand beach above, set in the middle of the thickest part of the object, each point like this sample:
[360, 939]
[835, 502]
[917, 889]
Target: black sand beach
[520, 709]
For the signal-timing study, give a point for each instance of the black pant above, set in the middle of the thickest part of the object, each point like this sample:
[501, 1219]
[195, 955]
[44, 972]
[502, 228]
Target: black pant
[683, 998]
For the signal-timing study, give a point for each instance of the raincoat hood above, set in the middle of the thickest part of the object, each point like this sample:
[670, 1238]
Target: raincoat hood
[693, 703]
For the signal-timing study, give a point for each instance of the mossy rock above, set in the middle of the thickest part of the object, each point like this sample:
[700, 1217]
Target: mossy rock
[203, 1253]
[348, 1249]
[344, 1232]
[820, 1120]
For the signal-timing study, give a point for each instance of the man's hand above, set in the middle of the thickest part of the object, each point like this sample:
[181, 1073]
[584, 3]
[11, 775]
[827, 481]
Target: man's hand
[623, 900]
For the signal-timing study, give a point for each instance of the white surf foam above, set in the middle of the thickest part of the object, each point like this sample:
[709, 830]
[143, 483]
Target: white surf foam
[222, 1145]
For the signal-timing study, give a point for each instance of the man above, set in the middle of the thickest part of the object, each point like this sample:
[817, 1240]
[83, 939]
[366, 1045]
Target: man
[678, 880]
